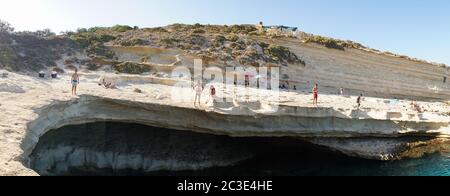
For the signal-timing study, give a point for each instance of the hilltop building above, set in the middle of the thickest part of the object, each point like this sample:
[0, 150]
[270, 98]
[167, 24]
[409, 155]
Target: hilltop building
[278, 30]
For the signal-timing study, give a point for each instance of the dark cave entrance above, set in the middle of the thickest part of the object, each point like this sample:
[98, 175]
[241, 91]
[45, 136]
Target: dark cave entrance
[124, 149]
[120, 149]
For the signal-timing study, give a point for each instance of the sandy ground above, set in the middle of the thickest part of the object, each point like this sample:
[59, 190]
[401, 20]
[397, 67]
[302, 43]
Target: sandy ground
[21, 95]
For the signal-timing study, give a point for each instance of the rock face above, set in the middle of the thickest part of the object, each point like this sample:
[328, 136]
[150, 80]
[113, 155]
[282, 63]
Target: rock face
[385, 148]
[355, 70]
[370, 73]
[117, 147]
[379, 139]
[10, 88]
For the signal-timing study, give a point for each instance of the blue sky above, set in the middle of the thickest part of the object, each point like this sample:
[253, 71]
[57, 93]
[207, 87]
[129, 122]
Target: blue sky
[418, 28]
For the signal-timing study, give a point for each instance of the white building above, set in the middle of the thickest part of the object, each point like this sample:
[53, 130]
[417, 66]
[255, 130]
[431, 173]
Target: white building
[278, 30]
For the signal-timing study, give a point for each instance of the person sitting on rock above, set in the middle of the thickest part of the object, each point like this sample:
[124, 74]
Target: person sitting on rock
[212, 94]
[110, 85]
[418, 108]
[107, 84]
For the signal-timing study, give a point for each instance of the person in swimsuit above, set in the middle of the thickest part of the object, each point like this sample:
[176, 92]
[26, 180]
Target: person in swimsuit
[75, 82]
[315, 94]
[212, 94]
[198, 93]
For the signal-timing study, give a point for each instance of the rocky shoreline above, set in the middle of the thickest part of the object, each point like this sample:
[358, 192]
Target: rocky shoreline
[129, 84]
[47, 105]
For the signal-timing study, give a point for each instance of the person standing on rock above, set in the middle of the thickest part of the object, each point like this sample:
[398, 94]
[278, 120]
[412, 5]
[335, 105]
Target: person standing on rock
[198, 93]
[359, 101]
[315, 92]
[75, 81]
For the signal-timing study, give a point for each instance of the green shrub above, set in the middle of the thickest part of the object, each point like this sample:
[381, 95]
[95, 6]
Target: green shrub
[145, 59]
[133, 42]
[5, 27]
[121, 28]
[96, 29]
[177, 26]
[99, 49]
[199, 31]
[8, 57]
[351, 44]
[132, 68]
[156, 30]
[104, 38]
[46, 33]
[93, 66]
[334, 43]
[327, 42]
[233, 38]
[93, 42]
[213, 28]
[197, 40]
[220, 39]
[241, 29]
[82, 30]
[169, 41]
[282, 54]
[80, 41]
[198, 25]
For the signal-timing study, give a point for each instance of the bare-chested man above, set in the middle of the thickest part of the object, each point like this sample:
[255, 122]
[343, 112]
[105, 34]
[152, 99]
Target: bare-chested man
[75, 81]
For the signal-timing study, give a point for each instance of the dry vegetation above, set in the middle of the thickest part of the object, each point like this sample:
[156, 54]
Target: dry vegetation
[237, 43]
[30, 50]
[221, 43]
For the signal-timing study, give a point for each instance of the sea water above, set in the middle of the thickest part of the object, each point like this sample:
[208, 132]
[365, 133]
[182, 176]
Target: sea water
[321, 163]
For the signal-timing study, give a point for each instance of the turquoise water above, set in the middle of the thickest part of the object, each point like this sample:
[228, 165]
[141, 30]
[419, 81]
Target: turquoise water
[273, 160]
[325, 164]
[432, 165]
